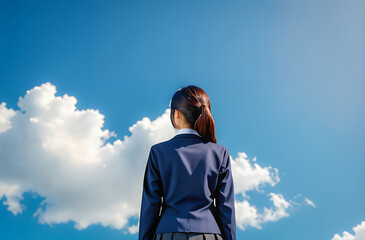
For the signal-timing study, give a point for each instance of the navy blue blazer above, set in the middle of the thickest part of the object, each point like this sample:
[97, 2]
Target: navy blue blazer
[182, 178]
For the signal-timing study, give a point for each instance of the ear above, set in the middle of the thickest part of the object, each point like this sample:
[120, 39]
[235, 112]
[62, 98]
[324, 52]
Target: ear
[178, 113]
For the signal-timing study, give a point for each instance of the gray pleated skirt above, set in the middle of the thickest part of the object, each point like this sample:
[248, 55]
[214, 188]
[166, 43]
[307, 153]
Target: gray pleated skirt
[187, 236]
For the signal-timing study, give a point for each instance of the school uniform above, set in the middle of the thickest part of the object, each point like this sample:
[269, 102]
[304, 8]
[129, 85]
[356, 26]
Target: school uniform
[188, 191]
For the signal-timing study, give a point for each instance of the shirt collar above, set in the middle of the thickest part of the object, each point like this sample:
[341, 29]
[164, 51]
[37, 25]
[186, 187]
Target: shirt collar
[187, 130]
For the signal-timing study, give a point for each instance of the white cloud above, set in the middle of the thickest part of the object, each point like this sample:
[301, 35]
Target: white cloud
[14, 195]
[133, 229]
[250, 176]
[247, 215]
[309, 202]
[359, 233]
[52, 149]
[304, 200]
[5, 116]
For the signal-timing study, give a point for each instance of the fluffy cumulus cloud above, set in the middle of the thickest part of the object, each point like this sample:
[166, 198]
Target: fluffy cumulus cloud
[250, 176]
[359, 231]
[52, 149]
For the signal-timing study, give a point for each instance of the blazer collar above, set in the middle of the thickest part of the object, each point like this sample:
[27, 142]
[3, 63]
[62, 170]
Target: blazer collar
[187, 130]
[187, 135]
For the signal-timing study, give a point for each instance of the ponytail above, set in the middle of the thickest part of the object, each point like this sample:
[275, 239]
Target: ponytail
[204, 125]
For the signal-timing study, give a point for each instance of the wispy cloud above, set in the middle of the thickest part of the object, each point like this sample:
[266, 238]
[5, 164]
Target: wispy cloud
[51, 148]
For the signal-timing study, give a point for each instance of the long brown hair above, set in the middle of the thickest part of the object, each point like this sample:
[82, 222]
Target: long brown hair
[194, 104]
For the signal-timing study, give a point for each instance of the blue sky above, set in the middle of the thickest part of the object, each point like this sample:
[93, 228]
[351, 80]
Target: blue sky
[285, 78]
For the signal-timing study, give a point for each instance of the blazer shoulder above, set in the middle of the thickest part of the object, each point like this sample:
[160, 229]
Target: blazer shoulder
[170, 143]
[220, 147]
[160, 144]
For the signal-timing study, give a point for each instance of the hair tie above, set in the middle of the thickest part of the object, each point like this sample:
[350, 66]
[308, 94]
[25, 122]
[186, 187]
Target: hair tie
[200, 107]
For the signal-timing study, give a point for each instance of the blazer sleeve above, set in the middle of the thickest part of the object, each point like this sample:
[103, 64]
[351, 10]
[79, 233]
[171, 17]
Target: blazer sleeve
[151, 199]
[225, 199]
